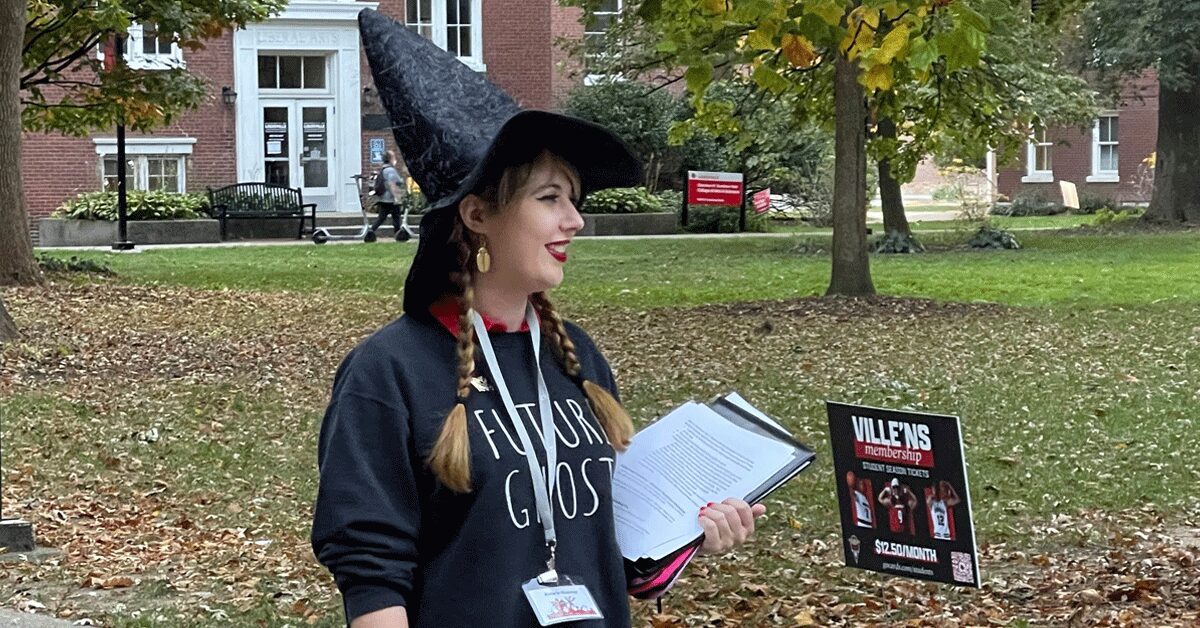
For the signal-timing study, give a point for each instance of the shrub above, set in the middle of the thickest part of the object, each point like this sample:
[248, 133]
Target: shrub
[669, 200]
[944, 193]
[141, 205]
[72, 265]
[712, 219]
[621, 201]
[1029, 203]
[633, 112]
[897, 242]
[413, 202]
[992, 238]
[1108, 218]
[1092, 202]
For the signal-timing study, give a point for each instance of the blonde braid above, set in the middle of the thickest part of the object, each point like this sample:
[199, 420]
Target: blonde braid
[451, 455]
[612, 416]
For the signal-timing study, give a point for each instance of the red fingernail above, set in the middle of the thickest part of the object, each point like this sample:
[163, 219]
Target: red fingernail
[710, 503]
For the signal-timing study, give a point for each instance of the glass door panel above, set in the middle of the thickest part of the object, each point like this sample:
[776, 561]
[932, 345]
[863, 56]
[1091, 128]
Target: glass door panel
[276, 146]
[314, 156]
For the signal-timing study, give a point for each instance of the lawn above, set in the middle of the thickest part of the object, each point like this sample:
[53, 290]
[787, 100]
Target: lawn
[1014, 223]
[160, 424]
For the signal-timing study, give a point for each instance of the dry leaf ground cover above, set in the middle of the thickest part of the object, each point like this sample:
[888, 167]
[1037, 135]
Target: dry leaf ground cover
[160, 426]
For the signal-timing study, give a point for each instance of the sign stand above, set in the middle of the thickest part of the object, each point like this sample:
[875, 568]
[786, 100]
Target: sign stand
[742, 215]
[683, 217]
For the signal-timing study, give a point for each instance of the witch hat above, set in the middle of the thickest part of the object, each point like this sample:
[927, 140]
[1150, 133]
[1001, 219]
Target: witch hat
[457, 131]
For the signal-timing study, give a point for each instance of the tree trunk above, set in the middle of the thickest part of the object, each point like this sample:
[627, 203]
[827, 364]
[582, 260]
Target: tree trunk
[851, 266]
[17, 265]
[894, 220]
[1176, 196]
[8, 329]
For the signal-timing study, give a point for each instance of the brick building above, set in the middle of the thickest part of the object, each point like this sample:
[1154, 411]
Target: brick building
[291, 99]
[1103, 160]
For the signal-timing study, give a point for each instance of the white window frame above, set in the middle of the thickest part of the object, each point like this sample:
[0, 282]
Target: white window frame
[595, 79]
[1032, 174]
[440, 25]
[294, 91]
[139, 150]
[1098, 175]
[136, 58]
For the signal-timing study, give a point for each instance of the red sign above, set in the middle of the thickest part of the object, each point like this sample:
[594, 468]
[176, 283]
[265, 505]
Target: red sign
[762, 200]
[714, 188]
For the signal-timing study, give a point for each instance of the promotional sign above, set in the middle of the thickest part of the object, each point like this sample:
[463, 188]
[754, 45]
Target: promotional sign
[762, 200]
[902, 489]
[714, 188]
[375, 149]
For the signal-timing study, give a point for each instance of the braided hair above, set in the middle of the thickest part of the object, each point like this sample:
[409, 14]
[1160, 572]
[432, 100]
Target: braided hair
[450, 458]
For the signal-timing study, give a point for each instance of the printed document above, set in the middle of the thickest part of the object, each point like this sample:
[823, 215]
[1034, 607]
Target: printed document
[678, 464]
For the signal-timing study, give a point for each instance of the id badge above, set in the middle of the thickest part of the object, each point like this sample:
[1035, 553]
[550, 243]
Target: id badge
[560, 602]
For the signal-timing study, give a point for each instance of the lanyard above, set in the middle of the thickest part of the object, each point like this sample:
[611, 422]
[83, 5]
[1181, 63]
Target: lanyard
[542, 488]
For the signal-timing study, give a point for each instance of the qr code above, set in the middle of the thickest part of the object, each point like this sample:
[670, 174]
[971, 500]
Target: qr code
[964, 567]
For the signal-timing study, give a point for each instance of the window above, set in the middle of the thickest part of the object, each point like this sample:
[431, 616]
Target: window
[148, 49]
[151, 163]
[594, 34]
[451, 24]
[458, 27]
[146, 172]
[1104, 150]
[291, 72]
[1039, 163]
[418, 16]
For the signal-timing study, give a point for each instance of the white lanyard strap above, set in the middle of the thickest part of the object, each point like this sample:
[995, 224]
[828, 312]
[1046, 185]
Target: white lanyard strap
[542, 488]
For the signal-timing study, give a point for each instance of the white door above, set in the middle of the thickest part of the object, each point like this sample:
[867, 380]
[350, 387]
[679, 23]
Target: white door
[298, 136]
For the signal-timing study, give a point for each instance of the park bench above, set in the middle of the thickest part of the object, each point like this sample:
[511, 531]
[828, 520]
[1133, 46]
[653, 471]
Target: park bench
[261, 200]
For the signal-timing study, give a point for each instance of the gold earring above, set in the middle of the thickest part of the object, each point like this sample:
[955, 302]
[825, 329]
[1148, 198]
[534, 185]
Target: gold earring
[483, 259]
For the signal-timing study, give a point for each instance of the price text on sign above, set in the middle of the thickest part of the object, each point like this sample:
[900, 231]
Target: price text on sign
[715, 188]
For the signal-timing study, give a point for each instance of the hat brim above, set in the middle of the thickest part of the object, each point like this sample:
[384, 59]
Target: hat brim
[601, 159]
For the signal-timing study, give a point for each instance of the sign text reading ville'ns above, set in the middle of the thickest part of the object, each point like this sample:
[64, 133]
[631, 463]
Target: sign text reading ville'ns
[892, 441]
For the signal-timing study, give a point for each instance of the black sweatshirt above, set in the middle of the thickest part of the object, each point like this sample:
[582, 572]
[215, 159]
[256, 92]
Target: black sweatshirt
[392, 535]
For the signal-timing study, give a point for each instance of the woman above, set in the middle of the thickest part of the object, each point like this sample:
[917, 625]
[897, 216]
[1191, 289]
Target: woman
[435, 506]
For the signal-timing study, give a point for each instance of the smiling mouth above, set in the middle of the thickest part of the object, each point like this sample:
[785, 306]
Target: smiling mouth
[558, 250]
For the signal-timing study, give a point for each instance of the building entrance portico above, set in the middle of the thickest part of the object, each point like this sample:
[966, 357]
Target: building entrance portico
[297, 77]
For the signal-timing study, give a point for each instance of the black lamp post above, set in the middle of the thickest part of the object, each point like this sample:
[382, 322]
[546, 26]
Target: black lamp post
[122, 243]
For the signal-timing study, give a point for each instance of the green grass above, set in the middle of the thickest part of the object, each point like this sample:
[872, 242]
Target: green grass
[1019, 223]
[1077, 395]
[1094, 270]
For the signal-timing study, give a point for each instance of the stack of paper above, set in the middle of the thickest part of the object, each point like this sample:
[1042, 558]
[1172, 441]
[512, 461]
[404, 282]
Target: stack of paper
[690, 457]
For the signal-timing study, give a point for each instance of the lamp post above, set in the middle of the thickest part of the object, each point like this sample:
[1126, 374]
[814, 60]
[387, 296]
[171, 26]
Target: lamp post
[122, 243]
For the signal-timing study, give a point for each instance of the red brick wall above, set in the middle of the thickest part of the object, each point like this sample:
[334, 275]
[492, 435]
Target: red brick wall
[46, 157]
[564, 22]
[1072, 152]
[519, 52]
[517, 49]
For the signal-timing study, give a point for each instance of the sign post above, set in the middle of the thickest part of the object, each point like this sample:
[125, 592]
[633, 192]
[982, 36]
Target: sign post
[902, 488]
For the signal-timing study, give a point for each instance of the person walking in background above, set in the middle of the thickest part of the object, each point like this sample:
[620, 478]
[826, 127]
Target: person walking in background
[389, 190]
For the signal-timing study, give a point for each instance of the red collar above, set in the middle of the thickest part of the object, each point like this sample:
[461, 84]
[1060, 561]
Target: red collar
[446, 311]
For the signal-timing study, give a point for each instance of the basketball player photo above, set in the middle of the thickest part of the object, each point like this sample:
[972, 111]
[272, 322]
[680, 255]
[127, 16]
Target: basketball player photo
[861, 512]
[901, 503]
[940, 501]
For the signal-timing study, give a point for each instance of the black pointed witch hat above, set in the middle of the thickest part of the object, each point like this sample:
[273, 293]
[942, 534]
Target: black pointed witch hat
[458, 131]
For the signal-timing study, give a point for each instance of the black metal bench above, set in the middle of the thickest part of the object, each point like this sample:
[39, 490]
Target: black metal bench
[261, 200]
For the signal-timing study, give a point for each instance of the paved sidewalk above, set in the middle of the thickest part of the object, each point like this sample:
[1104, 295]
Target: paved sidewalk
[29, 620]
